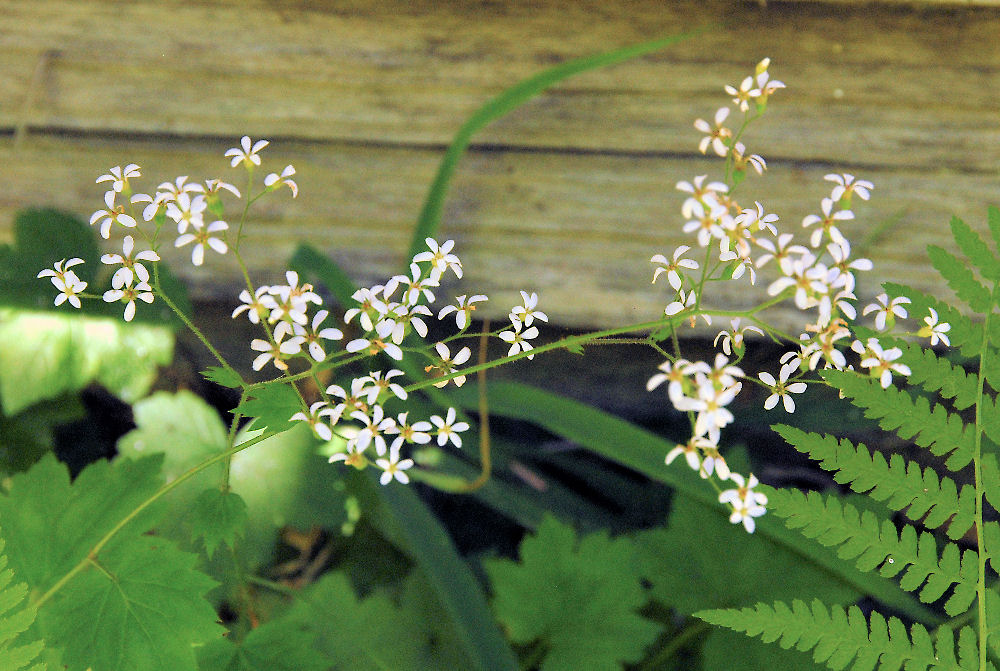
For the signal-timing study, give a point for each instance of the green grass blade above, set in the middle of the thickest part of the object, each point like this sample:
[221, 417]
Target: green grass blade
[511, 99]
[643, 451]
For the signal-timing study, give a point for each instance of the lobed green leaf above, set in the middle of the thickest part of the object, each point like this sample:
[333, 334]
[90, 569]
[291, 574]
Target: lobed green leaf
[974, 247]
[901, 485]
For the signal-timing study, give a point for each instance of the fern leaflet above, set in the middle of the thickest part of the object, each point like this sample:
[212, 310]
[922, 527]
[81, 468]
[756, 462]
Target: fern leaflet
[837, 636]
[878, 545]
[938, 375]
[974, 247]
[911, 417]
[960, 279]
[898, 483]
[15, 618]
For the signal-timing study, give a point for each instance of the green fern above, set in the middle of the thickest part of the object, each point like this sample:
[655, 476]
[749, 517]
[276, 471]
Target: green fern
[15, 618]
[838, 637]
[899, 484]
[931, 418]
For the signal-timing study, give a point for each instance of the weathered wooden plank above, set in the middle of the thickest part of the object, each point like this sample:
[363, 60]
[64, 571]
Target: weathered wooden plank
[577, 228]
[920, 95]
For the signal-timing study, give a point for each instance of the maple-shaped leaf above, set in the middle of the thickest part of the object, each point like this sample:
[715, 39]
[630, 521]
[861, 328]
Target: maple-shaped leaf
[280, 645]
[376, 633]
[578, 597]
[134, 604]
[271, 406]
[218, 517]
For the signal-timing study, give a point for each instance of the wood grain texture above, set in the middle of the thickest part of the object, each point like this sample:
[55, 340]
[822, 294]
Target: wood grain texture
[570, 195]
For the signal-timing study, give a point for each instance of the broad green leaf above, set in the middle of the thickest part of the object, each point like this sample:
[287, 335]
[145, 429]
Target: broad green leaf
[44, 356]
[218, 517]
[577, 597]
[271, 406]
[692, 564]
[279, 645]
[375, 632]
[134, 605]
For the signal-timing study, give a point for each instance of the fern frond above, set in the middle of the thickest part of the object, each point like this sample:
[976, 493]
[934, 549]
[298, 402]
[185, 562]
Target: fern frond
[15, 618]
[936, 374]
[898, 483]
[990, 362]
[912, 418]
[960, 279]
[965, 334]
[974, 247]
[837, 637]
[872, 545]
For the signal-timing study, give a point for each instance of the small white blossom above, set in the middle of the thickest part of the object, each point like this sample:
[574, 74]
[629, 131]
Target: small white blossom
[187, 211]
[371, 434]
[383, 383]
[525, 313]
[276, 181]
[128, 294]
[747, 504]
[66, 281]
[717, 136]
[672, 266]
[463, 310]
[846, 185]
[934, 330]
[409, 433]
[378, 344]
[448, 365]
[440, 257]
[112, 214]
[518, 339]
[394, 467]
[257, 306]
[246, 153]
[732, 339]
[314, 418]
[882, 363]
[885, 310]
[119, 177]
[448, 428]
[202, 238]
[131, 267]
[781, 389]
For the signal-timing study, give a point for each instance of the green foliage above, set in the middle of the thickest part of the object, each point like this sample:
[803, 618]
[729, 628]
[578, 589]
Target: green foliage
[218, 517]
[15, 618]
[65, 353]
[838, 637]
[899, 484]
[279, 645]
[226, 377]
[115, 598]
[270, 405]
[912, 417]
[578, 597]
[873, 541]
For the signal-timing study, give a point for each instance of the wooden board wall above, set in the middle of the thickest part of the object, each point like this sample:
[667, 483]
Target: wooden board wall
[570, 195]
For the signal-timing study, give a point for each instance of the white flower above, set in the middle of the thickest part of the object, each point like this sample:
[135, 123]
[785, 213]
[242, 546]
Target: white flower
[278, 351]
[66, 281]
[934, 330]
[380, 383]
[187, 211]
[448, 365]
[884, 310]
[684, 302]
[691, 451]
[369, 306]
[257, 306]
[518, 339]
[747, 504]
[675, 375]
[741, 160]
[781, 389]
[409, 433]
[463, 309]
[275, 181]
[314, 418]
[746, 92]
[717, 136]
[526, 313]
[113, 213]
[847, 185]
[350, 401]
[672, 267]
[440, 257]
[247, 152]
[119, 177]
[130, 268]
[372, 433]
[881, 362]
[448, 429]
[703, 196]
[128, 294]
[213, 186]
[378, 344]
[827, 223]
[313, 336]
[416, 286]
[732, 340]
[202, 238]
[393, 467]
[754, 219]
[170, 190]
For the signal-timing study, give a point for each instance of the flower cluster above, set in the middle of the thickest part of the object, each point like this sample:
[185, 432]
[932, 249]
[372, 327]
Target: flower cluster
[819, 277]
